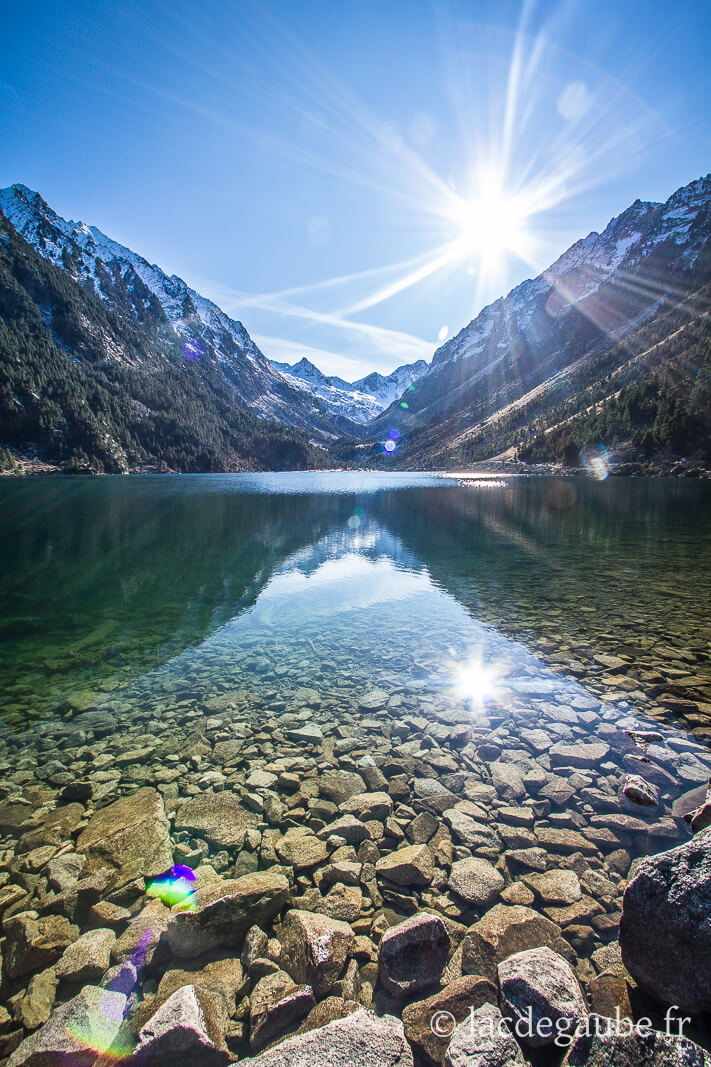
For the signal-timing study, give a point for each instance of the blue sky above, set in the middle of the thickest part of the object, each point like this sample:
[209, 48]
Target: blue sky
[353, 179]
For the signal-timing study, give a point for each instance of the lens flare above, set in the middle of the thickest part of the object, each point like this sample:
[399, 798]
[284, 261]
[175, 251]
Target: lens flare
[394, 435]
[193, 349]
[175, 886]
[596, 461]
[389, 446]
[404, 405]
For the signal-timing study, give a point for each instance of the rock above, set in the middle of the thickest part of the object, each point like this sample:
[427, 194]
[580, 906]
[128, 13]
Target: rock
[86, 959]
[413, 954]
[224, 912]
[276, 1003]
[476, 881]
[409, 866]
[557, 886]
[349, 828]
[361, 1039]
[483, 1040]
[449, 1006]
[131, 836]
[224, 976]
[36, 1006]
[261, 780]
[598, 1045]
[700, 818]
[580, 754]
[508, 780]
[188, 1028]
[254, 946]
[308, 734]
[665, 934]
[638, 790]
[540, 992]
[33, 943]
[471, 833]
[373, 700]
[65, 871]
[144, 938]
[315, 949]
[326, 1011]
[367, 806]
[301, 851]
[218, 817]
[504, 930]
[340, 785]
[74, 1032]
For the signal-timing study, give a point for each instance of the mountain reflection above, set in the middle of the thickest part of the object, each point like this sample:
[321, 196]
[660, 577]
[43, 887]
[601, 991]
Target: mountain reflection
[104, 579]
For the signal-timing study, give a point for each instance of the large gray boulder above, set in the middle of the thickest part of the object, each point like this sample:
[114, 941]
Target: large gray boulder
[409, 866]
[413, 954]
[483, 1040]
[665, 931]
[429, 1023]
[276, 1003]
[359, 1040]
[73, 1033]
[225, 910]
[541, 995]
[315, 949]
[131, 836]
[597, 1044]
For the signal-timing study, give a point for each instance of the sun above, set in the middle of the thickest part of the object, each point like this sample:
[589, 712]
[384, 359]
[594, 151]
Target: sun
[491, 223]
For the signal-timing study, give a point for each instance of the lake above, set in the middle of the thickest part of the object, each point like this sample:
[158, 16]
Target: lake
[499, 654]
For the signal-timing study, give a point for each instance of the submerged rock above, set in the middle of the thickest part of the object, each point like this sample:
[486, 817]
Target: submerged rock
[477, 881]
[504, 930]
[276, 1003]
[218, 817]
[131, 836]
[224, 912]
[413, 954]
[409, 866]
[429, 1023]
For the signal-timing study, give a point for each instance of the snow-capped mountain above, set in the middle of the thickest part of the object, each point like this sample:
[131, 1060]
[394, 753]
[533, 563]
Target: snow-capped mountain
[127, 282]
[602, 287]
[359, 401]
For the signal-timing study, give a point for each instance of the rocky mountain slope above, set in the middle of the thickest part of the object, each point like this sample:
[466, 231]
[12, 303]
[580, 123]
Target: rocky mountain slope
[360, 401]
[107, 384]
[130, 286]
[599, 293]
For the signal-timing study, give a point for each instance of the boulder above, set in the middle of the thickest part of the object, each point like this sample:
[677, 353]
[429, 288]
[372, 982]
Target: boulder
[33, 943]
[276, 1003]
[578, 754]
[301, 851]
[413, 954]
[72, 1034]
[557, 886]
[218, 817]
[367, 806]
[188, 1028]
[86, 959]
[665, 933]
[640, 791]
[483, 1040]
[409, 866]
[361, 1039]
[36, 1005]
[429, 1023]
[504, 930]
[131, 836]
[540, 992]
[224, 976]
[315, 949]
[340, 785]
[144, 937]
[225, 910]
[597, 1044]
[477, 881]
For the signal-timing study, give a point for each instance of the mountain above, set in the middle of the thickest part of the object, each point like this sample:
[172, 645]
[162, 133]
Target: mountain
[553, 334]
[106, 383]
[359, 401]
[133, 288]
